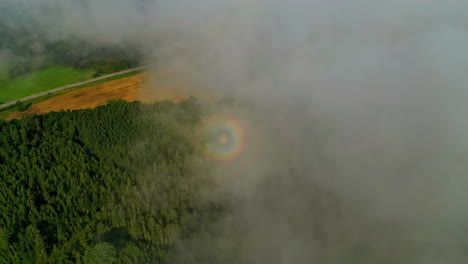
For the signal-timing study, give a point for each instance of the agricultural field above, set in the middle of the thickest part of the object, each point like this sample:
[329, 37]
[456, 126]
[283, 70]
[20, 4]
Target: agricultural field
[40, 81]
[133, 88]
[3, 73]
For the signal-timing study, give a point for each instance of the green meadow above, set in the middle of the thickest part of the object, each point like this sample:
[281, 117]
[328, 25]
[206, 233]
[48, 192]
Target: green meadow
[40, 81]
[3, 72]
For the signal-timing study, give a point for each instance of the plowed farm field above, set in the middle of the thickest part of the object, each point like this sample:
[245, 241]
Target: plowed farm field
[133, 88]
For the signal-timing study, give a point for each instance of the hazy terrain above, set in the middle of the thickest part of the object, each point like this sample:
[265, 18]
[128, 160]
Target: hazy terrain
[340, 135]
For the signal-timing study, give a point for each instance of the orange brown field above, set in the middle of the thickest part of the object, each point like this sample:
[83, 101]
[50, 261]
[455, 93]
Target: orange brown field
[138, 87]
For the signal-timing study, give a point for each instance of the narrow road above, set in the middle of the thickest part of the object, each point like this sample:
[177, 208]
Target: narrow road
[72, 85]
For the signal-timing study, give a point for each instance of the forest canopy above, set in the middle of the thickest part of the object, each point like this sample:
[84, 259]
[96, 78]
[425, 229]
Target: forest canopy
[106, 185]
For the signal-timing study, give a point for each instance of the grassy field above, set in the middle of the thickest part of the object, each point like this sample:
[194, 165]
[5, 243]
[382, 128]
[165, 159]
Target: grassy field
[40, 81]
[6, 112]
[133, 88]
[3, 72]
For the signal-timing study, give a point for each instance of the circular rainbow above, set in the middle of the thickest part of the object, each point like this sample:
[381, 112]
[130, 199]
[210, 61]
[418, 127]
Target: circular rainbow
[225, 138]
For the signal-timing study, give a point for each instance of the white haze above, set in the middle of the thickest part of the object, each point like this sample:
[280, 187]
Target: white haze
[362, 107]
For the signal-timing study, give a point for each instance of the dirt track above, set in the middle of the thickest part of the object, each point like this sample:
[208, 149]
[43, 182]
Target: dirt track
[130, 89]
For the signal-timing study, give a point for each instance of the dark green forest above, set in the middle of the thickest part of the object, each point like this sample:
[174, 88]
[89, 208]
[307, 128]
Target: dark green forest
[113, 184]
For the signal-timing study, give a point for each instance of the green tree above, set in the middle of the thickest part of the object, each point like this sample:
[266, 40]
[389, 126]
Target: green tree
[21, 106]
[101, 253]
[6, 255]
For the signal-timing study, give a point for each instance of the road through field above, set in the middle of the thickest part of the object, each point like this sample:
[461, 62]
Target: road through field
[72, 85]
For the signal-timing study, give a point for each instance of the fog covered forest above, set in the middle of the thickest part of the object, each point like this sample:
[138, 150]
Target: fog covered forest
[99, 186]
[347, 143]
